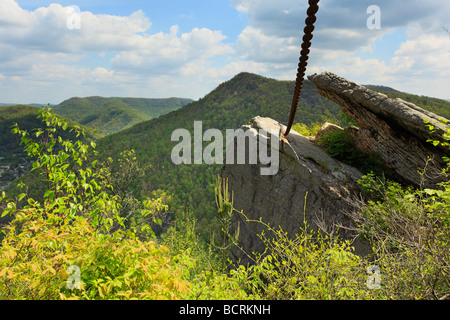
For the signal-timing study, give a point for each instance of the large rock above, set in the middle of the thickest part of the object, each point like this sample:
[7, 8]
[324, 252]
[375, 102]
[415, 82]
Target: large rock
[326, 129]
[392, 127]
[305, 173]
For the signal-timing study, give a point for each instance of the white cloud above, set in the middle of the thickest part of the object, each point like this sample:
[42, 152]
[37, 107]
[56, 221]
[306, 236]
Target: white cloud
[46, 29]
[41, 57]
[341, 38]
[167, 53]
[420, 66]
[39, 50]
[253, 44]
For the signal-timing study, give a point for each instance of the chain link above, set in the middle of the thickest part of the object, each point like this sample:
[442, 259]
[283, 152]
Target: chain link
[308, 30]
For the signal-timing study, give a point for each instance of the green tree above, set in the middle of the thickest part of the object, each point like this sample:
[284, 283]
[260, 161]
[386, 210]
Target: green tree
[75, 225]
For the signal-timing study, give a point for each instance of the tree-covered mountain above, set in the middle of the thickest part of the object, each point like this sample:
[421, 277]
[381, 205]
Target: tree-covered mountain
[230, 105]
[109, 115]
[26, 116]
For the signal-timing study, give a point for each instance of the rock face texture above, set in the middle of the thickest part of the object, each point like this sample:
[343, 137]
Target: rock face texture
[392, 127]
[305, 173]
[308, 185]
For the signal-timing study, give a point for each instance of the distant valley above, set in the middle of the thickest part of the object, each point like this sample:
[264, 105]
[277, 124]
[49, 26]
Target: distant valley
[110, 115]
[98, 117]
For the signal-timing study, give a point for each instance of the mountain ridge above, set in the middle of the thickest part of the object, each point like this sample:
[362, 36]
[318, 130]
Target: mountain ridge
[112, 114]
[228, 106]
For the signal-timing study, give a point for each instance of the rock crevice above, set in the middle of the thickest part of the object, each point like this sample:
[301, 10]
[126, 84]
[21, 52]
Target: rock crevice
[393, 128]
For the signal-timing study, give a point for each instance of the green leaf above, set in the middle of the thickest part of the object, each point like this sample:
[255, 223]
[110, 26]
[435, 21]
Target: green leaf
[5, 212]
[49, 194]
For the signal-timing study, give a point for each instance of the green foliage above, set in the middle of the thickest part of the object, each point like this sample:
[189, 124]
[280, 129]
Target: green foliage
[347, 121]
[439, 197]
[72, 179]
[40, 245]
[10, 149]
[13, 158]
[188, 248]
[229, 106]
[311, 129]
[341, 146]
[308, 266]
[411, 234]
[79, 223]
[307, 130]
[224, 215]
[66, 170]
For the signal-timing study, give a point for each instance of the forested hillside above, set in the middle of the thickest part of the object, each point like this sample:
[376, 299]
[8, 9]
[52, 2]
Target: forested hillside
[110, 115]
[27, 117]
[229, 106]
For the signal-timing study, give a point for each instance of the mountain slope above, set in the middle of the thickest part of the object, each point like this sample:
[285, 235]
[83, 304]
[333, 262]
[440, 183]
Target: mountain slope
[109, 115]
[379, 88]
[230, 105]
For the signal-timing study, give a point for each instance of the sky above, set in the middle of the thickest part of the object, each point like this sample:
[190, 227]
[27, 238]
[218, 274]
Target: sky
[51, 51]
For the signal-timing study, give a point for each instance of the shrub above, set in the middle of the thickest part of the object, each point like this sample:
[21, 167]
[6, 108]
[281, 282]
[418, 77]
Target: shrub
[410, 230]
[341, 146]
[310, 265]
[411, 242]
[40, 246]
[78, 226]
[307, 130]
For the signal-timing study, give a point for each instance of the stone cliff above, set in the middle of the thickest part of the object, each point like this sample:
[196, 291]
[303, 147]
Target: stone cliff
[306, 173]
[392, 127]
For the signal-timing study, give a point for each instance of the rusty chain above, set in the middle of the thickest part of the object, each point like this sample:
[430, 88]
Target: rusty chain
[307, 37]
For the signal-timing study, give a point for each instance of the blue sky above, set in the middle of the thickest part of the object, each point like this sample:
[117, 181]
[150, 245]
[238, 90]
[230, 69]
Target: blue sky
[185, 48]
[187, 14]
